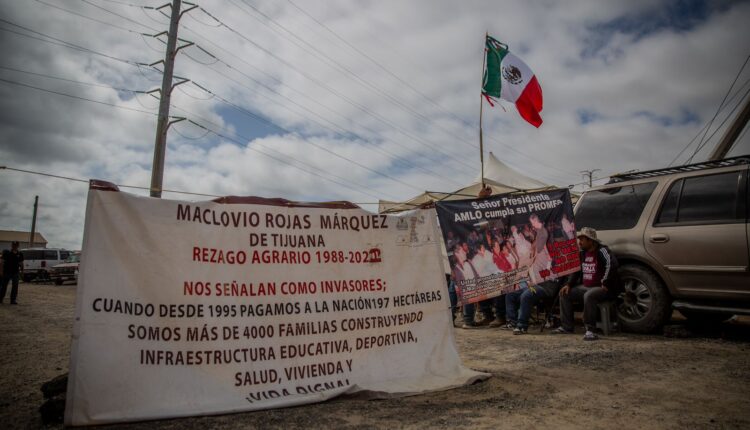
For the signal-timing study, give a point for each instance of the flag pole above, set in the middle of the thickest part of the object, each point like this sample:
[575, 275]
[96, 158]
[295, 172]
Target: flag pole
[481, 105]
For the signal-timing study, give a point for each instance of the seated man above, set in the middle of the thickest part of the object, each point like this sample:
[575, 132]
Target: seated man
[518, 304]
[600, 282]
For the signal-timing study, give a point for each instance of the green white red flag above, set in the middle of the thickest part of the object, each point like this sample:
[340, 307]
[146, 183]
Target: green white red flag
[507, 77]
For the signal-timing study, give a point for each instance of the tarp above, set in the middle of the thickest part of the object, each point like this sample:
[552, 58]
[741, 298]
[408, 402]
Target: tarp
[499, 176]
[245, 303]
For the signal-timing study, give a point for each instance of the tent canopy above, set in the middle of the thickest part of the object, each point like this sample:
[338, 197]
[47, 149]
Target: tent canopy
[499, 176]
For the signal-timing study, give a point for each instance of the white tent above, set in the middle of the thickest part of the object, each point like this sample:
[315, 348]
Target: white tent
[497, 175]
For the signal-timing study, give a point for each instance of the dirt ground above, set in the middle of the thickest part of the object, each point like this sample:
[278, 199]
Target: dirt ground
[539, 380]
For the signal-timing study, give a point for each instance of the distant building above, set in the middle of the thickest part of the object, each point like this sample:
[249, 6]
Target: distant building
[22, 237]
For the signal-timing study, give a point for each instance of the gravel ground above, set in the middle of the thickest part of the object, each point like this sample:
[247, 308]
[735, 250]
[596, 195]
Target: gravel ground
[539, 380]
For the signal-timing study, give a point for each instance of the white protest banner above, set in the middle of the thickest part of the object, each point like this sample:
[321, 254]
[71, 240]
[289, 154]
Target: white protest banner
[197, 308]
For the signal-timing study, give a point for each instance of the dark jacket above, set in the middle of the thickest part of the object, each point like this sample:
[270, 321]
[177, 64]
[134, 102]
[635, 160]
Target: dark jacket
[606, 266]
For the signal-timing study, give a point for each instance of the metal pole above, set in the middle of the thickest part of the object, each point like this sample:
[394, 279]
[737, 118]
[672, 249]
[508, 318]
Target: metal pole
[160, 146]
[481, 105]
[33, 223]
[732, 133]
[590, 174]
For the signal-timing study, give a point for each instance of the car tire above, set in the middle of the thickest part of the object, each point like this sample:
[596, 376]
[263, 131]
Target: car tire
[645, 305]
[702, 319]
[58, 281]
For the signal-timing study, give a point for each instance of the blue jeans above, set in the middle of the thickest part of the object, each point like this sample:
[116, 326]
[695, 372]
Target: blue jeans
[522, 300]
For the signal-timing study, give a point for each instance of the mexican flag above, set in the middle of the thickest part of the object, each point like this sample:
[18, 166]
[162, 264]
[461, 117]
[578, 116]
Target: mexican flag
[509, 78]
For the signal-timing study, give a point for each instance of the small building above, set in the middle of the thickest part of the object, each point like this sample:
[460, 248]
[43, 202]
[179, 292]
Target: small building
[22, 237]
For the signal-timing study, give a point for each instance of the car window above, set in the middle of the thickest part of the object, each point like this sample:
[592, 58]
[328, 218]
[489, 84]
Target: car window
[701, 199]
[33, 255]
[668, 212]
[615, 208]
[64, 255]
[50, 254]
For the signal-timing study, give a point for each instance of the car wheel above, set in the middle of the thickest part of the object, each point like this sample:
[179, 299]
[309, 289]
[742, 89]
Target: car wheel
[644, 305]
[58, 281]
[27, 278]
[702, 319]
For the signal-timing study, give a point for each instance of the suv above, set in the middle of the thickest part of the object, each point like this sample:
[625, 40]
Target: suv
[67, 270]
[38, 261]
[681, 237]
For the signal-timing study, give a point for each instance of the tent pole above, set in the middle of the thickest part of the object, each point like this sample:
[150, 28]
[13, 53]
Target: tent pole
[481, 105]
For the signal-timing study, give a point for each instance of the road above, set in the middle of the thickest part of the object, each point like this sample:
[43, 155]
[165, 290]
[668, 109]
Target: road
[539, 380]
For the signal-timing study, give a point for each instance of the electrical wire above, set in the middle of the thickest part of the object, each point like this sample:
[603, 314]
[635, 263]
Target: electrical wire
[78, 97]
[275, 91]
[120, 16]
[747, 81]
[338, 94]
[368, 84]
[700, 145]
[199, 125]
[318, 146]
[88, 17]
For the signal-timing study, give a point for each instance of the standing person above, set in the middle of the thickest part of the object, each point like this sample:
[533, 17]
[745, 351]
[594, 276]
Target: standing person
[540, 256]
[12, 265]
[600, 282]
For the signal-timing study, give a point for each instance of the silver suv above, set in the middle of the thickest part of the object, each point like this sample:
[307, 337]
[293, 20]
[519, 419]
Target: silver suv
[681, 237]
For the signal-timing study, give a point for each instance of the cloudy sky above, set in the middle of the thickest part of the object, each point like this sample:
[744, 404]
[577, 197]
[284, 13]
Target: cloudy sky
[350, 100]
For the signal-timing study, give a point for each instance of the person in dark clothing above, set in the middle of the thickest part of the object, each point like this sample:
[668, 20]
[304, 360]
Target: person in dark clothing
[12, 265]
[597, 281]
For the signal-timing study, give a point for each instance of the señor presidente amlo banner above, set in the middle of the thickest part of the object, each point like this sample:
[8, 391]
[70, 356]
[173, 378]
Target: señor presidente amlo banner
[498, 243]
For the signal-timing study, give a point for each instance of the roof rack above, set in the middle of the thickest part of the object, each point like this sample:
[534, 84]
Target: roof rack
[732, 161]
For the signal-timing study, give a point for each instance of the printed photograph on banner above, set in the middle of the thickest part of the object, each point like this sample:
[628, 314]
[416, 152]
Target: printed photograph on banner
[498, 243]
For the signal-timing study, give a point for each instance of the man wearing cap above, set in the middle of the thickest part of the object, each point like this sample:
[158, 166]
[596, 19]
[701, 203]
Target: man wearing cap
[12, 264]
[597, 281]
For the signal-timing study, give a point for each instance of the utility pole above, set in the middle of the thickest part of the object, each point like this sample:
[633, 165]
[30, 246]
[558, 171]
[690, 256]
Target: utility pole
[33, 223]
[590, 174]
[163, 123]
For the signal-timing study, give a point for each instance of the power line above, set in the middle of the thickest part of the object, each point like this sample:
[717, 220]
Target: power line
[337, 93]
[203, 127]
[274, 91]
[77, 97]
[121, 16]
[739, 90]
[381, 119]
[324, 149]
[59, 42]
[344, 69]
[718, 109]
[88, 17]
[87, 181]
[727, 118]
[404, 82]
[91, 84]
[151, 113]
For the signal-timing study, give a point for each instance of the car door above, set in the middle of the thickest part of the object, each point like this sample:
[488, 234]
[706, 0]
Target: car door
[699, 235]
